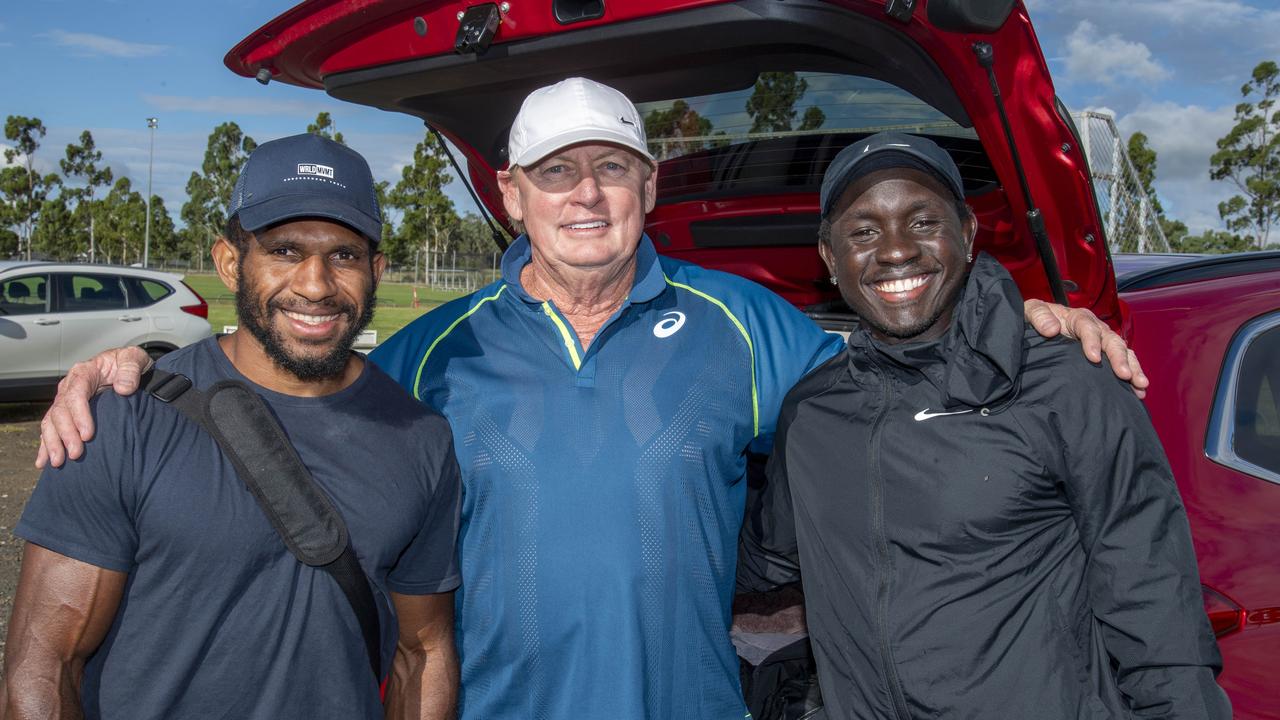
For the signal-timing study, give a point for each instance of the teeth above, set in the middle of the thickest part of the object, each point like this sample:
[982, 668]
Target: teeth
[588, 226]
[310, 319]
[903, 285]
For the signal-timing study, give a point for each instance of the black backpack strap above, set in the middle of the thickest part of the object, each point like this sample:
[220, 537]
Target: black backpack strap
[303, 515]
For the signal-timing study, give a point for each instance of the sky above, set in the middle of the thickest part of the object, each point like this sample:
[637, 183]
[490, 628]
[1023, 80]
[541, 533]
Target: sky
[1169, 68]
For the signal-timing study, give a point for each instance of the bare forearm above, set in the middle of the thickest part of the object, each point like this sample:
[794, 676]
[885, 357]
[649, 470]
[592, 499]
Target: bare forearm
[423, 684]
[42, 690]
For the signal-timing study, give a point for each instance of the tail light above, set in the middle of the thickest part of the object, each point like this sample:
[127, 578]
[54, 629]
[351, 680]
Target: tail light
[1225, 616]
[200, 310]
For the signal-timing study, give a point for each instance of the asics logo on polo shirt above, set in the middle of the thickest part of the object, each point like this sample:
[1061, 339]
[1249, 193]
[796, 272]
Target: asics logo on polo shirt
[672, 323]
[925, 414]
[323, 171]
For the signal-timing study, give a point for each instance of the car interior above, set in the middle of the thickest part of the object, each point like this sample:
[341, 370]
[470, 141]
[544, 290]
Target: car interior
[23, 296]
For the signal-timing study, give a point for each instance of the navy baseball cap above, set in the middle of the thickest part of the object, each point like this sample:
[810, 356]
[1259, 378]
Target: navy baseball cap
[306, 176]
[888, 150]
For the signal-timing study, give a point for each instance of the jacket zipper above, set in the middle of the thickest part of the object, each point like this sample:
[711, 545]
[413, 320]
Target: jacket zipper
[882, 548]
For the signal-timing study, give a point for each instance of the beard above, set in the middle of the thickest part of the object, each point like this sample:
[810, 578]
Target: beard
[255, 315]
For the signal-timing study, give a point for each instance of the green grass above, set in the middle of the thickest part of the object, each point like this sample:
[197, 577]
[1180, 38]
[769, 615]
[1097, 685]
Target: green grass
[395, 303]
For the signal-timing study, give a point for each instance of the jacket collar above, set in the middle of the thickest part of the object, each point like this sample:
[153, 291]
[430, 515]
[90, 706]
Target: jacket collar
[649, 282]
[977, 361]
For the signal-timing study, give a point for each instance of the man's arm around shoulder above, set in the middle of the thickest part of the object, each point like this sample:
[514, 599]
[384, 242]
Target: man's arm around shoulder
[424, 674]
[62, 610]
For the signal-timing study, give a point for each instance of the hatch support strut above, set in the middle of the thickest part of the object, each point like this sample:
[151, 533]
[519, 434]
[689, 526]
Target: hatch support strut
[498, 237]
[1035, 221]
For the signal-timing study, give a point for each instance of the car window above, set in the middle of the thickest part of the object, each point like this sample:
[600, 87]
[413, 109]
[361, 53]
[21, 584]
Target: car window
[84, 292]
[1256, 435]
[780, 134]
[144, 292]
[26, 295]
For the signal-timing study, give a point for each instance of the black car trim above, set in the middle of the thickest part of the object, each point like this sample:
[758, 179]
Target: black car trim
[1203, 268]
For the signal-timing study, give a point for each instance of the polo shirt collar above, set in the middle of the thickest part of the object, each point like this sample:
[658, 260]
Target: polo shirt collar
[649, 282]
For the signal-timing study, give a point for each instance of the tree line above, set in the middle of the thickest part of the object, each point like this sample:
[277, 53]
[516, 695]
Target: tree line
[88, 212]
[1248, 158]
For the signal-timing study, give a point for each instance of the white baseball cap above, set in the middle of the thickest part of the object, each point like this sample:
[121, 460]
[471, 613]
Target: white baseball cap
[573, 111]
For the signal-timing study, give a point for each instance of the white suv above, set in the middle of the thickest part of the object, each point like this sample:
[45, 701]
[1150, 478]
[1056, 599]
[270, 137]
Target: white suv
[53, 315]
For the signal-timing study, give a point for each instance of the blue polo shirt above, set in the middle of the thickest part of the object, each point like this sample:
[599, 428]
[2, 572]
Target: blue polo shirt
[604, 486]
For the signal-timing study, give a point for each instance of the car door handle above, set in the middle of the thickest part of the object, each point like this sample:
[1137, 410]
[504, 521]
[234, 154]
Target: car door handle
[129, 318]
[43, 321]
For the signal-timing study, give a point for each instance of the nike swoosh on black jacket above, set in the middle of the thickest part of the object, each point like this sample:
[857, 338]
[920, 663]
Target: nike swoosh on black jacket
[1029, 559]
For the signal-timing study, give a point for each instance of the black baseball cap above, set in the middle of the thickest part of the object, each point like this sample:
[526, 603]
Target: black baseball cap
[888, 150]
[306, 176]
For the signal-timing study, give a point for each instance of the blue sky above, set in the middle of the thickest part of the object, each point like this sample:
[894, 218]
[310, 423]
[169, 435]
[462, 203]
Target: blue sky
[1171, 68]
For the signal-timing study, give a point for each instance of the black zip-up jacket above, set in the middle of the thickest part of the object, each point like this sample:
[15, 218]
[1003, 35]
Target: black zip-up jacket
[986, 527]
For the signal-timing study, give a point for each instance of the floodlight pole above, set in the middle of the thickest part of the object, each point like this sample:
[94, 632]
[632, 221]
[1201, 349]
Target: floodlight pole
[146, 243]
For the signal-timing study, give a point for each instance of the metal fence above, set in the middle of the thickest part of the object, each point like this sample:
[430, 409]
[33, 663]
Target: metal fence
[1129, 221]
[447, 270]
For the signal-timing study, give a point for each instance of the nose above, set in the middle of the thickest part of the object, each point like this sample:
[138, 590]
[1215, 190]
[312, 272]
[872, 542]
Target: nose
[313, 279]
[897, 247]
[587, 192]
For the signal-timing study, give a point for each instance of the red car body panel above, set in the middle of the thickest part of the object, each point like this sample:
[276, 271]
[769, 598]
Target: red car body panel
[325, 37]
[1182, 333]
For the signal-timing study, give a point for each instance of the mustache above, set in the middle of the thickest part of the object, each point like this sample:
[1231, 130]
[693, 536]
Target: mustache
[347, 309]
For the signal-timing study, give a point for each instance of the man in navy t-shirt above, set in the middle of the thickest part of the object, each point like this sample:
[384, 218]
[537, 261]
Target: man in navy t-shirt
[153, 584]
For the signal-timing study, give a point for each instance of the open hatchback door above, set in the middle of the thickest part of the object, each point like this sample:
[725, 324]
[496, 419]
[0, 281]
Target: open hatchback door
[745, 103]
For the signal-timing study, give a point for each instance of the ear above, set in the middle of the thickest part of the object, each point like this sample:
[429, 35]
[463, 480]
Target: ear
[828, 256]
[651, 190]
[510, 194]
[969, 226]
[226, 260]
[379, 266]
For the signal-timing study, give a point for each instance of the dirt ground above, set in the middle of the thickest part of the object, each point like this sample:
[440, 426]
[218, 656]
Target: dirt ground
[19, 436]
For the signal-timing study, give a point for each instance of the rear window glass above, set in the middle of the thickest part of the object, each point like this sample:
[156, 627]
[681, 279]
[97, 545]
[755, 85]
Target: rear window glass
[1257, 429]
[780, 134]
[147, 292]
[91, 292]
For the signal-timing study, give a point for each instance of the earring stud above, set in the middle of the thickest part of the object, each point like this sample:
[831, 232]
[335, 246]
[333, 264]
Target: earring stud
[835, 280]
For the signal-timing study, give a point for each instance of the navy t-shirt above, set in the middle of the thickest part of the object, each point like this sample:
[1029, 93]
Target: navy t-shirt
[218, 619]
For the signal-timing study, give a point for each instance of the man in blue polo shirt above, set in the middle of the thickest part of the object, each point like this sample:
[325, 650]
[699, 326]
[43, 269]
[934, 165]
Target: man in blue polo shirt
[602, 399]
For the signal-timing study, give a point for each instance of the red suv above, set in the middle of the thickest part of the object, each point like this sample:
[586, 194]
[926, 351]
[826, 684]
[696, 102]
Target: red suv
[747, 101]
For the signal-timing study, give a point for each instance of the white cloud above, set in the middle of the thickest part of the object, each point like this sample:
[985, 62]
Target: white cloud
[233, 106]
[1109, 59]
[1184, 137]
[91, 44]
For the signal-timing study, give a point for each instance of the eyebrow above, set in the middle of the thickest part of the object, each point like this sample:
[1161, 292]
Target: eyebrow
[293, 241]
[914, 207]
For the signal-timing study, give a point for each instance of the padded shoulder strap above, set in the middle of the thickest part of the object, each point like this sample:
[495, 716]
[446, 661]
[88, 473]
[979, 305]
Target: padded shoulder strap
[268, 464]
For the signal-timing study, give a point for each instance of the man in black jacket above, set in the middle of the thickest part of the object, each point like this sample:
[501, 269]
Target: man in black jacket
[985, 523]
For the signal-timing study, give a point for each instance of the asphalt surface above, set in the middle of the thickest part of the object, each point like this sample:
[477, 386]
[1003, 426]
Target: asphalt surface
[19, 437]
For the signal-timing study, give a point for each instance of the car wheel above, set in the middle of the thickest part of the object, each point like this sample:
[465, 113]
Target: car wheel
[157, 351]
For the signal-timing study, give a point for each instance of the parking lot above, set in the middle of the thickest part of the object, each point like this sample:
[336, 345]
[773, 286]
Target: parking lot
[19, 436]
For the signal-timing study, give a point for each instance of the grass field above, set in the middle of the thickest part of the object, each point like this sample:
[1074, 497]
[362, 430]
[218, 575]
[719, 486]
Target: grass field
[395, 303]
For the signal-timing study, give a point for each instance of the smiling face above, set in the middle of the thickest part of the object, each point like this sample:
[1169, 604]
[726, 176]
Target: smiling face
[897, 245]
[582, 206]
[304, 291]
